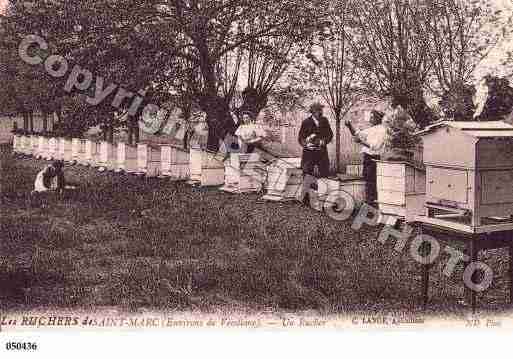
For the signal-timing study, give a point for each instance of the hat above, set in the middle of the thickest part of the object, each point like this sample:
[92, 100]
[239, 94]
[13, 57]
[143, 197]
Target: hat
[316, 106]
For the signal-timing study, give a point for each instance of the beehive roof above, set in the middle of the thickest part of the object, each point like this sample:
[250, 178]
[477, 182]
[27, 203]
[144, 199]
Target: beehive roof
[479, 129]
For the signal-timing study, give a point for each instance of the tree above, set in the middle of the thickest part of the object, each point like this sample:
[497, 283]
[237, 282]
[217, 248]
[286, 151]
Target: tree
[152, 37]
[392, 49]
[499, 101]
[215, 29]
[335, 74]
[462, 34]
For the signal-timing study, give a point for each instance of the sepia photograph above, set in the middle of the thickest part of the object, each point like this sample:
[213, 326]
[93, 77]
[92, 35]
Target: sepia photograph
[263, 166]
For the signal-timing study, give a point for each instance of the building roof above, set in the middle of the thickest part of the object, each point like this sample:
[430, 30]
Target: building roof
[480, 129]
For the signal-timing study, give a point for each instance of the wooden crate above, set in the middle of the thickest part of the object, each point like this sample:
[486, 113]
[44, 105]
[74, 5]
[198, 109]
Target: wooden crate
[395, 181]
[78, 150]
[148, 160]
[175, 162]
[107, 156]
[206, 169]
[284, 180]
[42, 150]
[244, 173]
[126, 158]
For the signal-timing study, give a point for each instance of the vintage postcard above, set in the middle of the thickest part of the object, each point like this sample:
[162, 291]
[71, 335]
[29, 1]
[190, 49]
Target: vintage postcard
[229, 166]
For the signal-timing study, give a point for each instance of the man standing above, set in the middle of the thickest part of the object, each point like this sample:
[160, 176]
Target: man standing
[374, 141]
[315, 134]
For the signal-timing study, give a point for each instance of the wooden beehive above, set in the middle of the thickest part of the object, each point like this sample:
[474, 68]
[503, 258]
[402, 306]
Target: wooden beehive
[16, 143]
[174, 162]
[107, 156]
[126, 159]
[399, 184]
[148, 159]
[469, 175]
[329, 191]
[34, 144]
[206, 168]
[42, 151]
[92, 152]
[78, 150]
[244, 173]
[284, 180]
[52, 148]
[64, 149]
[26, 148]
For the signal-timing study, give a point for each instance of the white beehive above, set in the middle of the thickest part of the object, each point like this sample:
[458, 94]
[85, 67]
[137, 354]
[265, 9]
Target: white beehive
[21, 145]
[16, 143]
[52, 148]
[174, 162]
[64, 152]
[126, 158]
[78, 150]
[34, 144]
[206, 168]
[42, 151]
[148, 159]
[284, 180]
[401, 188]
[469, 175]
[107, 156]
[244, 173]
[26, 148]
[92, 153]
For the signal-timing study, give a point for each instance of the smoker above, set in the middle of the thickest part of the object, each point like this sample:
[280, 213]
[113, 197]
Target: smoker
[469, 176]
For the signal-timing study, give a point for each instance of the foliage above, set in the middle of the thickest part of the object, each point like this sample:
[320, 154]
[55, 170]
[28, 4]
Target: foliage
[457, 103]
[401, 129]
[499, 102]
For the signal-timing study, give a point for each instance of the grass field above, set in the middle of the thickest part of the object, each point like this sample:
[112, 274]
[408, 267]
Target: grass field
[137, 243]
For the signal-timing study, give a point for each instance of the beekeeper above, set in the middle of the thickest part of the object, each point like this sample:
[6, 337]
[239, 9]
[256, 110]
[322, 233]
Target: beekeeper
[50, 178]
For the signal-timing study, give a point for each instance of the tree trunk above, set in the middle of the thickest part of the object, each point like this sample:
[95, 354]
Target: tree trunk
[219, 120]
[111, 134]
[137, 132]
[130, 131]
[337, 143]
[186, 113]
[45, 122]
[31, 119]
[25, 121]
[105, 130]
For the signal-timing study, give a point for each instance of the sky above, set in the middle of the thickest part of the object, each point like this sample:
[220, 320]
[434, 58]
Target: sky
[493, 61]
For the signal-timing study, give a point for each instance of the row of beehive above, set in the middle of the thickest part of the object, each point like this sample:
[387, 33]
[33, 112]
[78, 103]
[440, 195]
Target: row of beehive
[198, 166]
[238, 173]
[165, 160]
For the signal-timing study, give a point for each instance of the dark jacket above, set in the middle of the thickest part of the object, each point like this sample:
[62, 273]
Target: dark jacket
[318, 157]
[308, 127]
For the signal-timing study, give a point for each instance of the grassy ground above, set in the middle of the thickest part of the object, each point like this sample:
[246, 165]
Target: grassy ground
[138, 243]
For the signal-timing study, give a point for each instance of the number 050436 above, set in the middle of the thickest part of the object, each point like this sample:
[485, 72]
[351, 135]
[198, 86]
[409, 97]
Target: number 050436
[20, 346]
